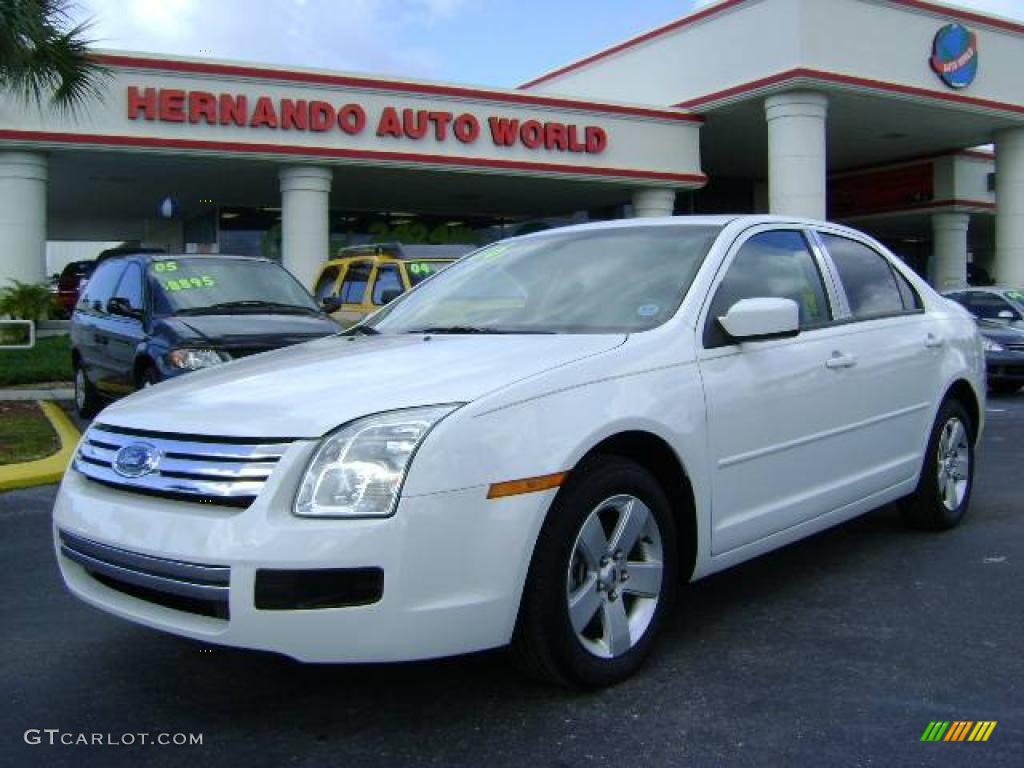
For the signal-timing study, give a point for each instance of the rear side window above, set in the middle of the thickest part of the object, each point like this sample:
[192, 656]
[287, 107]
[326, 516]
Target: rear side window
[100, 287]
[388, 282]
[872, 286]
[353, 287]
[773, 265]
[325, 284]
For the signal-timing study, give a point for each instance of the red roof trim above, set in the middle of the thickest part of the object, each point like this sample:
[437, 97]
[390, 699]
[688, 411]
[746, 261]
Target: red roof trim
[634, 41]
[859, 82]
[983, 204]
[107, 140]
[397, 86]
[922, 5]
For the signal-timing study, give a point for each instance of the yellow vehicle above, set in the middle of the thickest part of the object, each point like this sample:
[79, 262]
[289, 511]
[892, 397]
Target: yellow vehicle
[363, 278]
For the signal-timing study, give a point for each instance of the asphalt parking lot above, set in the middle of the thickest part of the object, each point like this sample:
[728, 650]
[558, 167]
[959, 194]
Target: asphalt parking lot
[836, 651]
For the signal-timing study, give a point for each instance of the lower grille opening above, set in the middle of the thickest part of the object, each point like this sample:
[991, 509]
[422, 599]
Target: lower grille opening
[280, 590]
[212, 608]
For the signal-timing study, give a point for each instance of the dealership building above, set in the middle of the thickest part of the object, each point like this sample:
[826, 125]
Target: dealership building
[869, 112]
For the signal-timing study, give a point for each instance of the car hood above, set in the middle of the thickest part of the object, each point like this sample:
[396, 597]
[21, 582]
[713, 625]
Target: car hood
[309, 389]
[245, 329]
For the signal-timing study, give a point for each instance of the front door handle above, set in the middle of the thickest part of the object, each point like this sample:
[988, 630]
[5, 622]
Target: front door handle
[839, 360]
[933, 342]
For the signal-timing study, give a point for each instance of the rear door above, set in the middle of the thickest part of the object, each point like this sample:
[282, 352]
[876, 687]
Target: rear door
[90, 324]
[125, 334]
[897, 349]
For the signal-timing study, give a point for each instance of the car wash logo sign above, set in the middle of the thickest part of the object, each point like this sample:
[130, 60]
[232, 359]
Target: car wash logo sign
[172, 105]
[955, 55]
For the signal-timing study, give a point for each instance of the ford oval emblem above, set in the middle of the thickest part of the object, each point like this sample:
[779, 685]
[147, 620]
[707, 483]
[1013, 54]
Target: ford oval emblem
[136, 459]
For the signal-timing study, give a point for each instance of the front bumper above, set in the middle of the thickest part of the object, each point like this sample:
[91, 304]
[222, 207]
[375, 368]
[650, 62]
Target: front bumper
[453, 566]
[1005, 367]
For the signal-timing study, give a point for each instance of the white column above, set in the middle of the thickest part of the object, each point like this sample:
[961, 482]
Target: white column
[22, 217]
[1009, 262]
[947, 268]
[650, 201]
[305, 226]
[796, 153]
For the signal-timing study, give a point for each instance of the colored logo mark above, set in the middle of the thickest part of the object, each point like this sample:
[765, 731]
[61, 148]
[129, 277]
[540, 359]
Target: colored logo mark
[959, 730]
[955, 55]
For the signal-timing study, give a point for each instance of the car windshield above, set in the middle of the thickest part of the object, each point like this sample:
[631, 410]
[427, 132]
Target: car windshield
[614, 280]
[207, 284]
[419, 271]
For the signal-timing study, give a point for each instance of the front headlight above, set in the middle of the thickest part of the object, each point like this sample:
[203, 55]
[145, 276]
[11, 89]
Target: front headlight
[358, 470]
[991, 346]
[194, 359]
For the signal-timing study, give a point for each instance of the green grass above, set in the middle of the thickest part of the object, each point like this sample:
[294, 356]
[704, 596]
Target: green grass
[48, 360]
[25, 433]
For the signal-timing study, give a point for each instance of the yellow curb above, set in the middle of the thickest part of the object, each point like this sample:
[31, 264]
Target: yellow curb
[48, 470]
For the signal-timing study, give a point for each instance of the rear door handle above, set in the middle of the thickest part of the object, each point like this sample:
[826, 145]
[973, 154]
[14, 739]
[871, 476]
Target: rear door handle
[933, 342]
[839, 360]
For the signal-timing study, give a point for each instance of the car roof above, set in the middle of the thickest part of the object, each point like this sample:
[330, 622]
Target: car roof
[983, 289]
[151, 257]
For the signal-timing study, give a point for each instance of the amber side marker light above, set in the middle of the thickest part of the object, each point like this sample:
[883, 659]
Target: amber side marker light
[526, 485]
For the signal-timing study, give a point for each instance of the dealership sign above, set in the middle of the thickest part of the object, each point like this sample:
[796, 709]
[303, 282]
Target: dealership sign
[175, 105]
[955, 55]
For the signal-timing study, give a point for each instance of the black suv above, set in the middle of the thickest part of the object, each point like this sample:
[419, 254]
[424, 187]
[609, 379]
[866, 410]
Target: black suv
[143, 318]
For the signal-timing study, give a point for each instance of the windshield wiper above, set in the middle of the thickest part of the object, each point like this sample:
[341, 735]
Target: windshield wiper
[246, 304]
[467, 329]
[364, 329]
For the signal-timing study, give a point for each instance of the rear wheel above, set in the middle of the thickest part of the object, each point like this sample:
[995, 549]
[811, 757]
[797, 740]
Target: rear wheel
[87, 401]
[944, 490]
[602, 577]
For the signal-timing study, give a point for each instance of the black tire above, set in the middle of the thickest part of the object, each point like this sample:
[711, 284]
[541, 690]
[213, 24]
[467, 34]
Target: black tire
[87, 400]
[545, 643]
[926, 508]
[1004, 387]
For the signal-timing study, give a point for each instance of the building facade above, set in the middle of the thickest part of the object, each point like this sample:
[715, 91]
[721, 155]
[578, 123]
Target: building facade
[864, 111]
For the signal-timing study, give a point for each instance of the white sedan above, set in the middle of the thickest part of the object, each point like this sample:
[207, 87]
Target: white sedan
[533, 447]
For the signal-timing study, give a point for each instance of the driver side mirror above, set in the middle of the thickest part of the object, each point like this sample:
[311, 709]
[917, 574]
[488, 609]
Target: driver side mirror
[121, 307]
[330, 304]
[761, 319]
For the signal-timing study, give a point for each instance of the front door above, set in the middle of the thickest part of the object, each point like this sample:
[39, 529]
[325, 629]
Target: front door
[777, 430]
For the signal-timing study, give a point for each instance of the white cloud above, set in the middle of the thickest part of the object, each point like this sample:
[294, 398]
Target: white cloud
[362, 35]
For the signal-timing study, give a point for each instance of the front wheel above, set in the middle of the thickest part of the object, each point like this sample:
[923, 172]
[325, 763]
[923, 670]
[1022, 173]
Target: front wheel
[944, 490]
[87, 401]
[603, 575]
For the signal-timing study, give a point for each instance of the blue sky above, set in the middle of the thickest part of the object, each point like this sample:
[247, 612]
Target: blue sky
[488, 42]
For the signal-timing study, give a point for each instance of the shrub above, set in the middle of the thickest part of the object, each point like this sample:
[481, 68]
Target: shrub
[27, 301]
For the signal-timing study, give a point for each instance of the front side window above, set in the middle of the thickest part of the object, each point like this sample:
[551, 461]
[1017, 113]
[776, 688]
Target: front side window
[870, 282]
[770, 265]
[353, 287]
[100, 288]
[130, 287]
[614, 280]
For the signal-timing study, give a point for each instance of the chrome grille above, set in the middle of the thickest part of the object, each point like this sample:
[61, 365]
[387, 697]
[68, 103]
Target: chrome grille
[191, 587]
[212, 470]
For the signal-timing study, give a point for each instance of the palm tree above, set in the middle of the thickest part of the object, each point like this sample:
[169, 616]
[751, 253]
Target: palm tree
[44, 54]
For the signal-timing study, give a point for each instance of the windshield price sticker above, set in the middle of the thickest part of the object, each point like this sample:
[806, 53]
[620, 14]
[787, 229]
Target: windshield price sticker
[165, 266]
[423, 268]
[190, 283]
